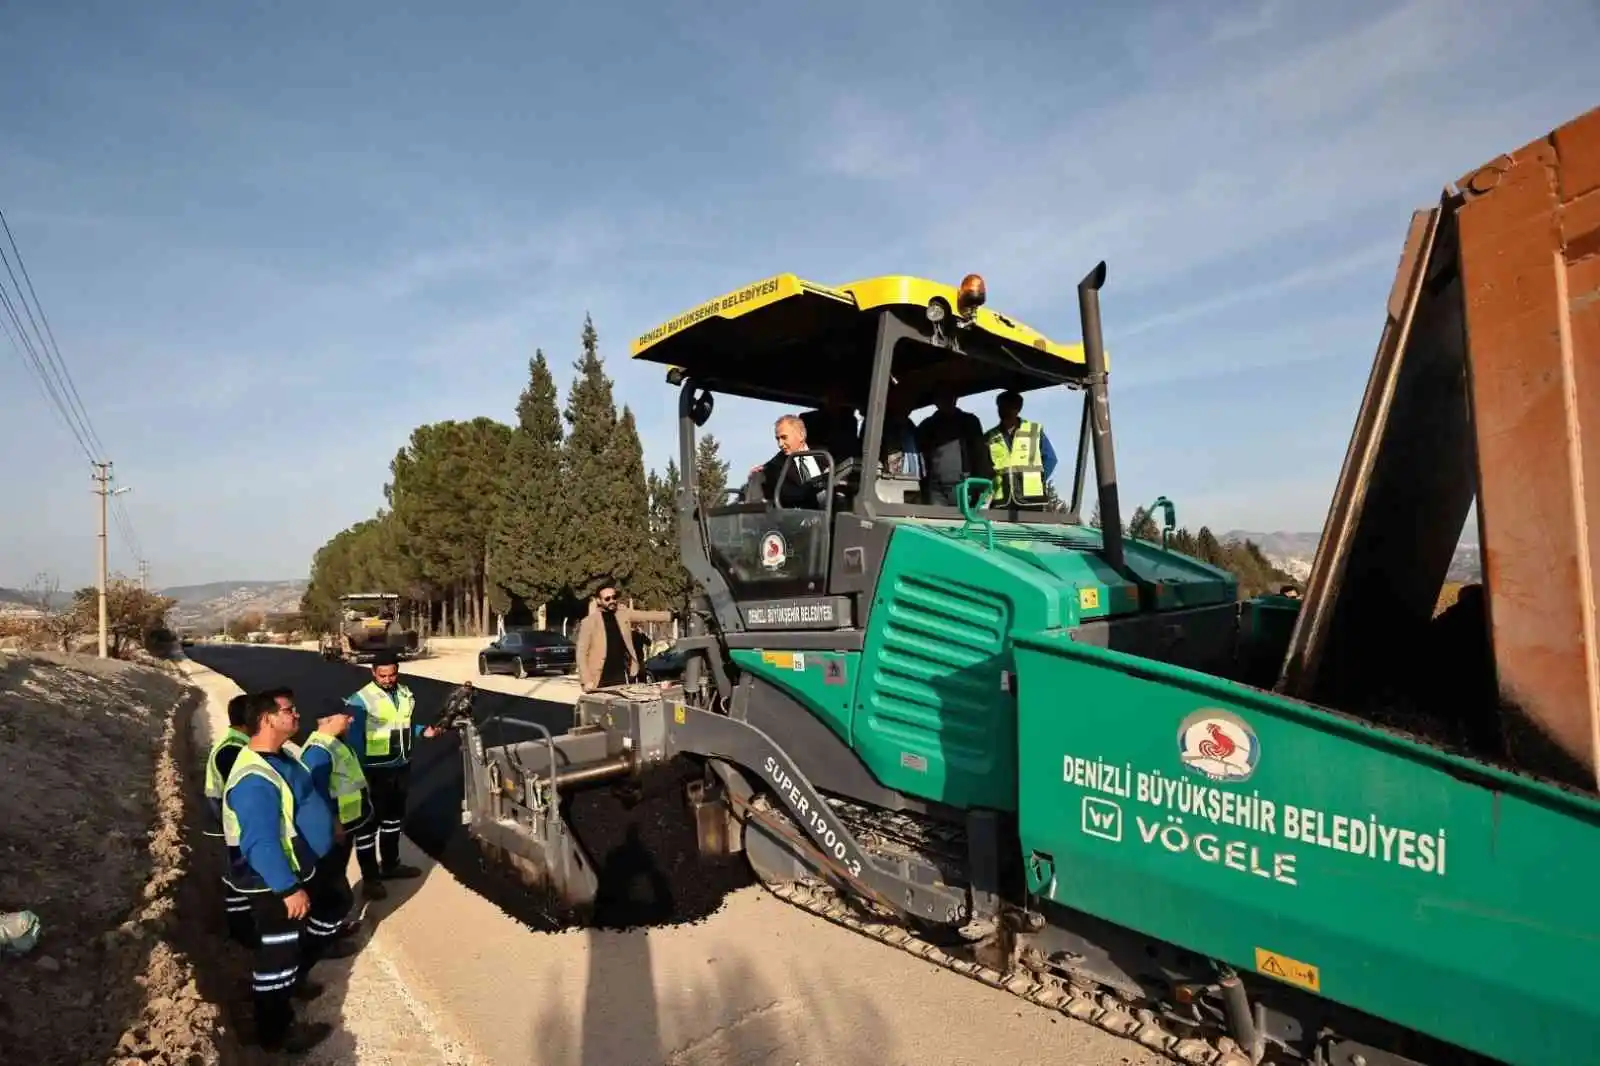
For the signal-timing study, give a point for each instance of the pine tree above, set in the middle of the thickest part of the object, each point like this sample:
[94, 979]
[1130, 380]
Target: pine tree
[1094, 516]
[526, 563]
[1142, 526]
[1206, 548]
[445, 492]
[1053, 500]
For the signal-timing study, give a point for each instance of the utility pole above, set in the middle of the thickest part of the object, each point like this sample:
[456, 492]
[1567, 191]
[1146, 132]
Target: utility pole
[144, 575]
[102, 479]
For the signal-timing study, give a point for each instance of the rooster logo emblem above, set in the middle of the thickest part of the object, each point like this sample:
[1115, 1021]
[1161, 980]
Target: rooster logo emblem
[1218, 744]
[773, 551]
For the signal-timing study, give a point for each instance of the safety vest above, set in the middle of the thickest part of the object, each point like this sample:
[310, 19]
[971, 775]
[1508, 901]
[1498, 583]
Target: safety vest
[233, 738]
[385, 717]
[346, 780]
[250, 763]
[1022, 462]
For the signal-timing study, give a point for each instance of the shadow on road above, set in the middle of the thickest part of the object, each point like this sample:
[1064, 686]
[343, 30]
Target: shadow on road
[650, 1006]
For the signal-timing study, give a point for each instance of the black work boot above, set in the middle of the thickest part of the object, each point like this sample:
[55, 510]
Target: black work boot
[339, 949]
[400, 872]
[301, 1037]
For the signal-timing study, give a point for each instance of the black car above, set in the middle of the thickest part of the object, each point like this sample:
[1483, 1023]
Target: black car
[665, 665]
[529, 651]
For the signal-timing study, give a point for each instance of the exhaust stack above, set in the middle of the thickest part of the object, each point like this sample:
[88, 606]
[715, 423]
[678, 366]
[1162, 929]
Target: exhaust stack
[1105, 457]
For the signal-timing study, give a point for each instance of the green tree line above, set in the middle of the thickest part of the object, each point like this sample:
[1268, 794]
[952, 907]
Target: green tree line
[1244, 559]
[481, 517]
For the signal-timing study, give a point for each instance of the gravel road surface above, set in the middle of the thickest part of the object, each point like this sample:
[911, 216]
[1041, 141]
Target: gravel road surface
[757, 982]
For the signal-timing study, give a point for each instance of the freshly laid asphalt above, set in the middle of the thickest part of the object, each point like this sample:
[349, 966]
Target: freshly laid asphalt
[643, 845]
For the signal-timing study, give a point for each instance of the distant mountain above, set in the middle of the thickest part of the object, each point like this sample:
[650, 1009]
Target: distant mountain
[14, 599]
[209, 606]
[1293, 553]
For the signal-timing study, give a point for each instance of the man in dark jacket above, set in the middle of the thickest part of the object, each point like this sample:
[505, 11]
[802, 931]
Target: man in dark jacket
[833, 427]
[953, 449]
[803, 481]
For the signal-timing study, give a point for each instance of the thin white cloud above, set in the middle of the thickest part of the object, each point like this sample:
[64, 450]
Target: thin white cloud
[1362, 260]
[1228, 157]
[1349, 335]
[873, 143]
[1251, 22]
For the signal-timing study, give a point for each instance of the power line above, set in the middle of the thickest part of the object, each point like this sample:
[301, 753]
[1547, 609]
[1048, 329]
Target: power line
[60, 361]
[48, 366]
[30, 359]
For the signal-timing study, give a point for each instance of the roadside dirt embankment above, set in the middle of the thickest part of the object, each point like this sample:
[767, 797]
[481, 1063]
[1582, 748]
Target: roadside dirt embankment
[91, 833]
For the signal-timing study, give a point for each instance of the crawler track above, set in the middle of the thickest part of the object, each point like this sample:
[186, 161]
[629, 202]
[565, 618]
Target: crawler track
[1098, 1006]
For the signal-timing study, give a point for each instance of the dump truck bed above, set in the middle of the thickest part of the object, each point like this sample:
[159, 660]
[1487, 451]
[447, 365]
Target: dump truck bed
[1486, 385]
[1415, 885]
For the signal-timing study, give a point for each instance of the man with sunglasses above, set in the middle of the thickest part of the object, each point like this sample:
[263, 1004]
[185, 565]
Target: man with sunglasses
[275, 825]
[606, 652]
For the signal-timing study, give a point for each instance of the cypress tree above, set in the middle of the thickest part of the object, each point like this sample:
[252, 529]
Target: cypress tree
[629, 513]
[668, 581]
[710, 472]
[604, 470]
[526, 547]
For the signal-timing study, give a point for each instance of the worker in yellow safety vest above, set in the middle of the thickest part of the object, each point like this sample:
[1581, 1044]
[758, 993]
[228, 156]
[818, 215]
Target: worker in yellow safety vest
[381, 735]
[276, 825]
[338, 775]
[219, 762]
[1022, 456]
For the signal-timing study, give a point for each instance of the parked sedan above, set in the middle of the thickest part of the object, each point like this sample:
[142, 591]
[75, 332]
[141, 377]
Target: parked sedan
[666, 665]
[529, 651]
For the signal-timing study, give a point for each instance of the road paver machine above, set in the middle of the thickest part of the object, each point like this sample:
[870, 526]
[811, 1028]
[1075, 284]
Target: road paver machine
[369, 624]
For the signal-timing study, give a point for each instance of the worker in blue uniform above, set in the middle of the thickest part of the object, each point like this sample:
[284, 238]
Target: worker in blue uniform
[275, 825]
[338, 775]
[219, 762]
[382, 735]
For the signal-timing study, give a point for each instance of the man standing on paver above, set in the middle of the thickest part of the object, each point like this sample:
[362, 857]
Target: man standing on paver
[381, 735]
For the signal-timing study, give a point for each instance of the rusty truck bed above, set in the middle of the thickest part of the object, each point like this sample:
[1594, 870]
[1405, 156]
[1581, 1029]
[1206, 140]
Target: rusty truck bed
[1487, 376]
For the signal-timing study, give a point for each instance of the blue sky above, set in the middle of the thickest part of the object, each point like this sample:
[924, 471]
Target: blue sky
[270, 245]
